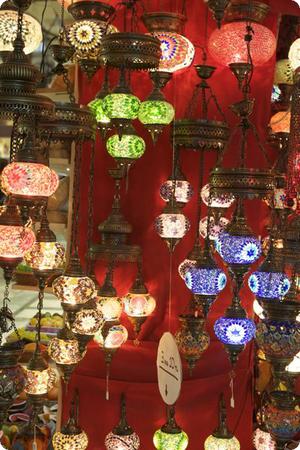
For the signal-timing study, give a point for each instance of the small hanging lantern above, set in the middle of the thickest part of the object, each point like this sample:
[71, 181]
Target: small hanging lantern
[262, 440]
[183, 190]
[170, 436]
[155, 112]
[192, 339]
[108, 303]
[96, 106]
[128, 148]
[87, 322]
[71, 436]
[222, 438]
[172, 225]
[122, 437]
[214, 225]
[190, 261]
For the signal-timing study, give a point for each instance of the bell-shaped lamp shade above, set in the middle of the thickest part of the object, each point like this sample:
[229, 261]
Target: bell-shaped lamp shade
[156, 112]
[205, 281]
[110, 307]
[170, 441]
[227, 45]
[284, 73]
[262, 440]
[121, 106]
[15, 241]
[238, 249]
[96, 107]
[45, 256]
[74, 289]
[215, 443]
[130, 146]
[214, 229]
[215, 202]
[269, 285]
[28, 179]
[39, 382]
[62, 441]
[281, 122]
[139, 305]
[294, 54]
[32, 31]
[177, 51]
[234, 331]
[183, 191]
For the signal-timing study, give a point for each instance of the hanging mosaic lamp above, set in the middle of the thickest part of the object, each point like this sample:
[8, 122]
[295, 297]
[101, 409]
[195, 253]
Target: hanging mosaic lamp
[71, 437]
[172, 225]
[192, 339]
[138, 303]
[87, 322]
[128, 148]
[183, 190]
[31, 33]
[177, 52]
[96, 106]
[262, 440]
[122, 437]
[222, 439]
[64, 351]
[284, 73]
[227, 45]
[12, 377]
[108, 303]
[170, 436]
[85, 34]
[155, 112]
[191, 260]
[282, 418]
[217, 225]
[269, 281]
[221, 202]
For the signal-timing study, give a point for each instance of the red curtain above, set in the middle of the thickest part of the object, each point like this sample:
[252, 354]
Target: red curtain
[133, 369]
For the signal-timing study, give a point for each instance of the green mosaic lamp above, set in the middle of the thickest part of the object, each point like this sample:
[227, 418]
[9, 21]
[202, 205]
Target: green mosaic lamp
[126, 148]
[170, 436]
[121, 106]
[96, 107]
[156, 113]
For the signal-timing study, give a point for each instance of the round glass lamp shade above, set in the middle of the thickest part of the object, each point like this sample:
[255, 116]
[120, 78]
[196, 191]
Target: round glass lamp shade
[15, 241]
[227, 45]
[284, 73]
[96, 107]
[185, 266]
[294, 54]
[117, 335]
[262, 440]
[281, 122]
[177, 52]
[87, 322]
[121, 106]
[183, 191]
[215, 202]
[39, 382]
[269, 285]
[32, 31]
[124, 442]
[238, 249]
[234, 331]
[64, 351]
[45, 256]
[215, 443]
[130, 146]
[139, 305]
[29, 179]
[172, 225]
[205, 281]
[63, 441]
[74, 290]
[156, 112]
[214, 228]
[278, 339]
[110, 307]
[163, 441]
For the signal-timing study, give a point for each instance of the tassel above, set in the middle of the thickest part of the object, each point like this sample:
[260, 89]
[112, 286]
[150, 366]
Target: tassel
[231, 384]
[34, 444]
[107, 381]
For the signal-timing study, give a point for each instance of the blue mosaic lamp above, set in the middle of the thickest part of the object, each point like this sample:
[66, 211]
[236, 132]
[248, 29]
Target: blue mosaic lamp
[269, 282]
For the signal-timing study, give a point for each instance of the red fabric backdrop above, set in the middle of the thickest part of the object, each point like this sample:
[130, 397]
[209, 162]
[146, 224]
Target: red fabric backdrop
[133, 369]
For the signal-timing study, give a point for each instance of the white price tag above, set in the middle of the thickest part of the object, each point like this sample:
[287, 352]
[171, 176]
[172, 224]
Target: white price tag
[169, 369]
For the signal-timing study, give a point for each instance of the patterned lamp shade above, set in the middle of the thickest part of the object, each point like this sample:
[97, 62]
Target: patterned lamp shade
[139, 305]
[294, 54]
[96, 107]
[281, 122]
[185, 266]
[163, 441]
[284, 73]
[215, 227]
[39, 382]
[183, 191]
[116, 336]
[238, 249]
[87, 322]
[172, 225]
[45, 256]
[63, 441]
[282, 417]
[156, 112]
[205, 281]
[64, 351]
[31, 32]
[262, 440]
[269, 285]
[215, 202]
[227, 44]
[15, 241]
[215, 443]
[116, 442]
[130, 146]
[121, 106]
[234, 331]
[110, 307]
[26, 179]
[74, 289]
[177, 51]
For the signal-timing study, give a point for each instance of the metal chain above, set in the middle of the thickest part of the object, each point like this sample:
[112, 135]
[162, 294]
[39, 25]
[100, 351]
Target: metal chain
[76, 198]
[69, 86]
[90, 206]
[40, 308]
